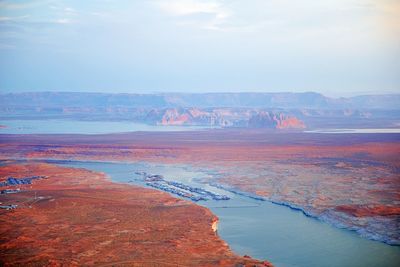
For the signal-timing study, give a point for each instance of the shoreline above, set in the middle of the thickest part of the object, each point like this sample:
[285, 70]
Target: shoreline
[325, 216]
[317, 172]
[322, 216]
[93, 190]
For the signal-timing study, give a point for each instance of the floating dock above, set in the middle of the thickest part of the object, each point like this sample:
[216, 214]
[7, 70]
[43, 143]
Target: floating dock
[179, 189]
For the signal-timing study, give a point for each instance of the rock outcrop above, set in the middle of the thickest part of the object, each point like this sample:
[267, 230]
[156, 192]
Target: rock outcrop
[265, 119]
[224, 117]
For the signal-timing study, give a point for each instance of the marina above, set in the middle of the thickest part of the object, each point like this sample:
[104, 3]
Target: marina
[262, 229]
[180, 189]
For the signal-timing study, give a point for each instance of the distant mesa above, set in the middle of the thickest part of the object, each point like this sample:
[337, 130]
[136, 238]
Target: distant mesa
[225, 117]
[275, 121]
[244, 110]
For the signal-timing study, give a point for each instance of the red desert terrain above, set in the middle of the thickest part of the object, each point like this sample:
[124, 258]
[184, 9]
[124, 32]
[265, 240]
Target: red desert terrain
[77, 217]
[351, 180]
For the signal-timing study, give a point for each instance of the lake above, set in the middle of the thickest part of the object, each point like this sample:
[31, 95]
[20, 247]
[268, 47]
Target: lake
[69, 126]
[63, 126]
[261, 229]
[358, 131]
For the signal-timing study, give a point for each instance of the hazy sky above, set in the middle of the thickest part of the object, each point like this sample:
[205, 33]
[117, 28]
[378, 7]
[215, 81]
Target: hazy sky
[336, 47]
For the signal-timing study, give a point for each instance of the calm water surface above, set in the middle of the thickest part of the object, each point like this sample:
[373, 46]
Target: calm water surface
[66, 126]
[264, 230]
[358, 131]
[60, 126]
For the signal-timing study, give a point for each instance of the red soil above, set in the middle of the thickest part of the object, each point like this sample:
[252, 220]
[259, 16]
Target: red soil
[367, 211]
[77, 217]
[353, 174]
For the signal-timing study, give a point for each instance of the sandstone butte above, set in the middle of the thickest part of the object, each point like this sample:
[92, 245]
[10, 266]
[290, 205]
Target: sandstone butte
[76, 217]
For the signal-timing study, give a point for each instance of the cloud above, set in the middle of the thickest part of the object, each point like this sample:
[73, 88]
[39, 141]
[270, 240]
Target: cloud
[390, 14]
[203, 14]
[3, 18]
[188, 7]
[11, 5]
[13, 18]
[7, 5]
[63, 21]
[69, 10]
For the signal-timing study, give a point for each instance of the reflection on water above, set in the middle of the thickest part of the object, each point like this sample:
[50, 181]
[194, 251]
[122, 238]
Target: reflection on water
[264, 230]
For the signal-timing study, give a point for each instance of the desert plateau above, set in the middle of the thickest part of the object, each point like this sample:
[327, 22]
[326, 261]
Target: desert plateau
[199, 133]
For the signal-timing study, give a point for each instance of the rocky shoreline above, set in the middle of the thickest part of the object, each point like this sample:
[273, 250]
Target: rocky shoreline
[377, 229]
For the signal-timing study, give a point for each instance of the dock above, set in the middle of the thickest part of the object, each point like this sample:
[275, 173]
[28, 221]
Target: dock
[180, 189]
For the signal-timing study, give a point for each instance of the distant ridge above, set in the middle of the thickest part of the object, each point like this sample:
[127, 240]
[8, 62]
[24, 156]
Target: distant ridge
[246, 110]
[201, 100]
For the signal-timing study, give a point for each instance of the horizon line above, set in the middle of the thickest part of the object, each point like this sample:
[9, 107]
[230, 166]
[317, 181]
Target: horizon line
[200, 93]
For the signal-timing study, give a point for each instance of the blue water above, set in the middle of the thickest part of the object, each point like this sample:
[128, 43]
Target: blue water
[63, 126]
[69, 126]
[355, 130]
[264, 230]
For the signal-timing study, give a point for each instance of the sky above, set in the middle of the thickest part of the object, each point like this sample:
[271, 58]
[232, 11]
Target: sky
[335, 47]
